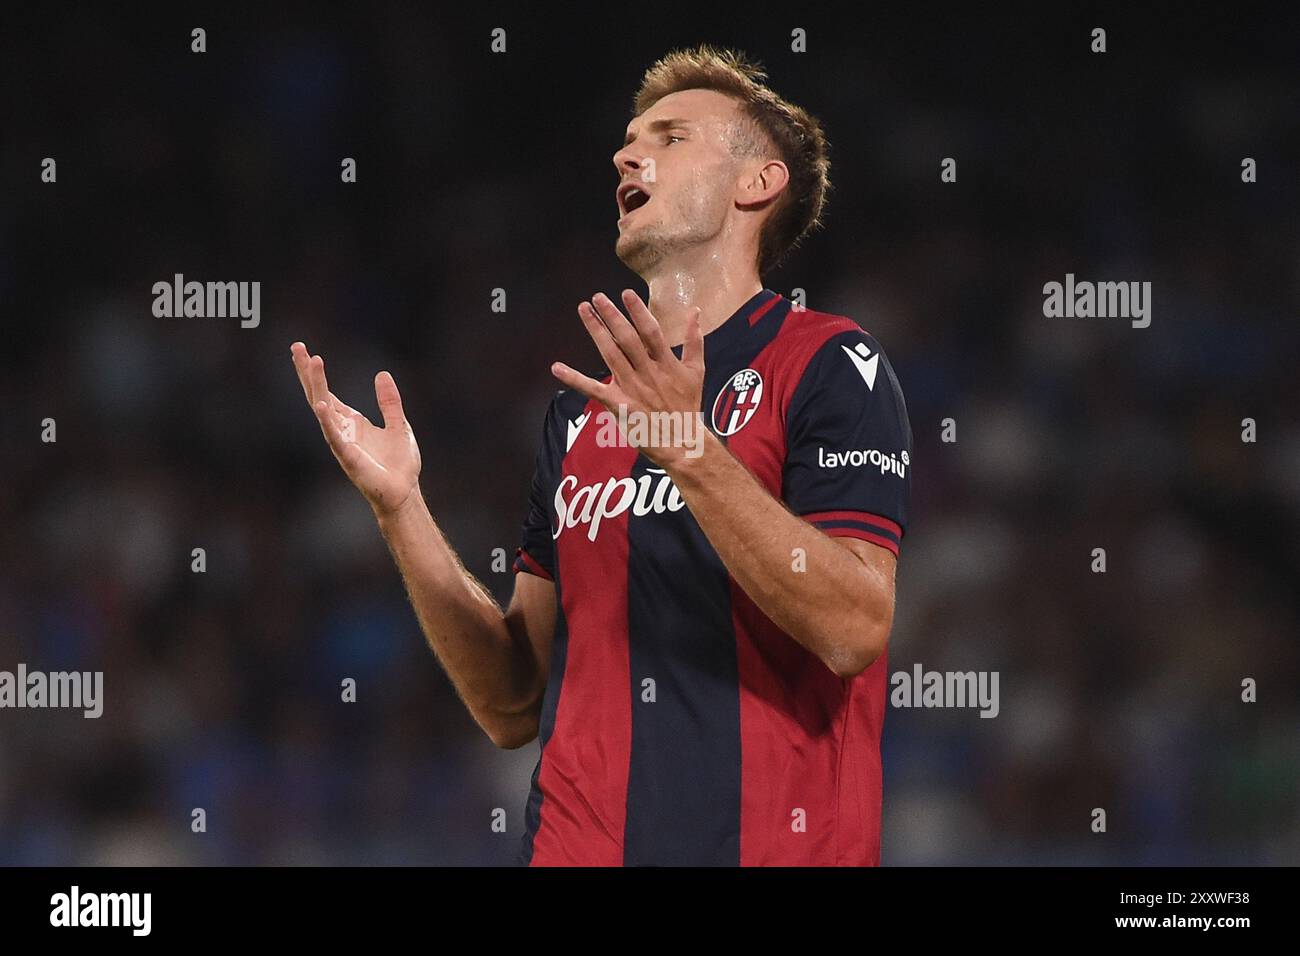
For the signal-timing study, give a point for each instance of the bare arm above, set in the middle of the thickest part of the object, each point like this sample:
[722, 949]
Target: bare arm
[840, 605]
[496, 660]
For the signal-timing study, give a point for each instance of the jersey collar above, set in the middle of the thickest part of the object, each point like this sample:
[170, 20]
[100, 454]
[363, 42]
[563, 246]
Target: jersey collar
[738, 328]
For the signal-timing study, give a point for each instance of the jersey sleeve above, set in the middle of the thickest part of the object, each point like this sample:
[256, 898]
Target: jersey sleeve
[536, 552]
[848, 468]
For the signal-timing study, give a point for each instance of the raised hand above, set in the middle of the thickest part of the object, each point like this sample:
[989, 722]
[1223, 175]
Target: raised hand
[647, 381]
[384, 463]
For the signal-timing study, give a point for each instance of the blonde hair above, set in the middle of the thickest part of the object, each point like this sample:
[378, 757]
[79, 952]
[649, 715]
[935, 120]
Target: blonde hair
[769, 122]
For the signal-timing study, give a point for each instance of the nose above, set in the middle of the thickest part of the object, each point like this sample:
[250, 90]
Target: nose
[627, 161]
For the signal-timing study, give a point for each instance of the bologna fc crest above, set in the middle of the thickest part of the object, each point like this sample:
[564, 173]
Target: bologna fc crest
[736, 403]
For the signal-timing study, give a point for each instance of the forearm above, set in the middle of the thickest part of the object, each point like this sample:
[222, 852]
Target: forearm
[490, 663]
[814, 589]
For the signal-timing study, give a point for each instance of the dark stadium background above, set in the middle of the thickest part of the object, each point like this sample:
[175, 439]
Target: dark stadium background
[479, 171]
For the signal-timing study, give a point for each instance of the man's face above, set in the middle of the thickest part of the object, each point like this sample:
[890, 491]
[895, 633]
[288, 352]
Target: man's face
[677, 176]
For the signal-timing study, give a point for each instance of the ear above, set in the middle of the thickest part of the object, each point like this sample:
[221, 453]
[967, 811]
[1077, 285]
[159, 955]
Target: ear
[762, 184]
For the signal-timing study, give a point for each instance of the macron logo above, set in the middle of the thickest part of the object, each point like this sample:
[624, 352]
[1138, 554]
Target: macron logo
[575, 426]
[864, 362]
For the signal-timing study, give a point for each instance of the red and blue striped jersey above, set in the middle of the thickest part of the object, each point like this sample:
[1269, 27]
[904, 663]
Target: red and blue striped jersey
[679, 725]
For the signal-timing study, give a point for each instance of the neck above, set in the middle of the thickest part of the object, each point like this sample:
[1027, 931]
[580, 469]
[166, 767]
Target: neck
[719, 288]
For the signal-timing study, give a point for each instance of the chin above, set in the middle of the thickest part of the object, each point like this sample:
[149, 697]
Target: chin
[637, 252]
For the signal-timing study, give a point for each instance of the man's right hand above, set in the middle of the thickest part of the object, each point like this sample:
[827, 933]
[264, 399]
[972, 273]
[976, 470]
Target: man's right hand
[498, 660]
[384, 463]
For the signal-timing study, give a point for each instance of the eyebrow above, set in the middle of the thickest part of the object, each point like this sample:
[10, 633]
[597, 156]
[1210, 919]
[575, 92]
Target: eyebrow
[656, 126]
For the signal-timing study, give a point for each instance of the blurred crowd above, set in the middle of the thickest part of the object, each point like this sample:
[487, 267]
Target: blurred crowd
[1119, 690]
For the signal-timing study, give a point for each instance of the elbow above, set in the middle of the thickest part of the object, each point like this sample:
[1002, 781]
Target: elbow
[512, 734]
[856, 648]
[849, 661]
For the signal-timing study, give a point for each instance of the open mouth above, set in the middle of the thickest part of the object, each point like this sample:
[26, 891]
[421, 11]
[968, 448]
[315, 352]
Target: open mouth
[631, 198]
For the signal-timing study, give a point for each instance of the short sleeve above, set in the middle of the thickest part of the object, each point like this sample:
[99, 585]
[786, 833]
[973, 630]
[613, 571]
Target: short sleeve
[848, 468]
[536, 553]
